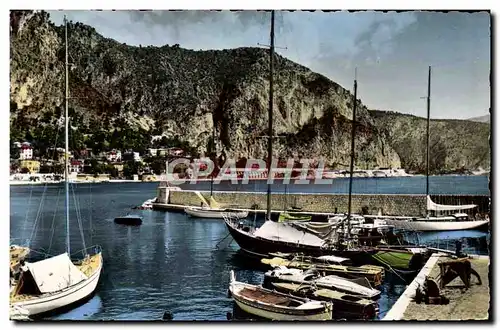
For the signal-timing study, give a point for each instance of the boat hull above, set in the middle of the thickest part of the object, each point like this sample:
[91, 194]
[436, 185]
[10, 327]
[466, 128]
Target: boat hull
[52, 302]
[437, 225]
[128, 221]
[394, 259]
[252, 309]
[213, 214]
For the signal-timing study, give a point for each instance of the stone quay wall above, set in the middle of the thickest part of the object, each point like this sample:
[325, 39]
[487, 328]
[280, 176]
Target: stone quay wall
[390, 204]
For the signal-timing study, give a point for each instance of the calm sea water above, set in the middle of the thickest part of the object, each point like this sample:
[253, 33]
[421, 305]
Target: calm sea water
[171, 262]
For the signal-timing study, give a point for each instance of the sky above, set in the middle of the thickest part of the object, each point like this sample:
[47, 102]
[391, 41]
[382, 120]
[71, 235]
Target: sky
[391, 51]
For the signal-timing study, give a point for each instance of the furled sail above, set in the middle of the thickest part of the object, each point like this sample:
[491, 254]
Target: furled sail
[431, 206]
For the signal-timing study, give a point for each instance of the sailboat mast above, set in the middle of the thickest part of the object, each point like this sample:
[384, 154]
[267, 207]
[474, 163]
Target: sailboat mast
[353, 132]
[66, 153]
[213, 153]
[270, 120]
[428, 135]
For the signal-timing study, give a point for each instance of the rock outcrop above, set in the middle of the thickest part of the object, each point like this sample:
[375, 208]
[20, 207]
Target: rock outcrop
[183, 94]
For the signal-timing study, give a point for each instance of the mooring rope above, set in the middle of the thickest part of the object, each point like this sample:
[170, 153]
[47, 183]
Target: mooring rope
[217, 245]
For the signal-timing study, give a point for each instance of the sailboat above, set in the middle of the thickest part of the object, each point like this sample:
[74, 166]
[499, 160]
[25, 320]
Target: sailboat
[212, 209]
[455, 221]
[57, 282]
[289, 236]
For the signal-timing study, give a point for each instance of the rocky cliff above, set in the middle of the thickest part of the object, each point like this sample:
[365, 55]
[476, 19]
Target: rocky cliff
[184, 93]
[453, 144]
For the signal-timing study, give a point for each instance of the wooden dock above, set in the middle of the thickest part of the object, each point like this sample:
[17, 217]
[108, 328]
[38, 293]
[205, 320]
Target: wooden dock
[471, 304]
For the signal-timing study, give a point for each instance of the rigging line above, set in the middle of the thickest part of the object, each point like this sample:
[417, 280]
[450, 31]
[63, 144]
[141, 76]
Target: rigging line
[54, 219]
[90, 213]
[78, 217]
[27, 212]
[37, 217]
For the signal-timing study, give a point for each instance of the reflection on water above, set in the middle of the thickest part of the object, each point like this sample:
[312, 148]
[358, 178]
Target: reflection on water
[171, 262]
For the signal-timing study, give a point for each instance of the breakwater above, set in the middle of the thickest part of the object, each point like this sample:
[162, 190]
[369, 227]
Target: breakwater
[386, 204]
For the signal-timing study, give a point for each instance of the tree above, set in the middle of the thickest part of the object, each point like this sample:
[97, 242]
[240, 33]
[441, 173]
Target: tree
[112, 171]
[58, 169]
[130, 168]
[158, 166]
[14, 151]
[45, 169]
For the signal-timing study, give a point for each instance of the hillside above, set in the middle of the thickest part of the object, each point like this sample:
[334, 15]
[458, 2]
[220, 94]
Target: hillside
[481, 119]
[122, 95]
[453, 143]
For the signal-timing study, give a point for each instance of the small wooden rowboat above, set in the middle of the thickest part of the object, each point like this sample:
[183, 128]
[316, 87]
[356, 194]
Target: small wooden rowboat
[373, 274]
[345, 305]
[272, 305]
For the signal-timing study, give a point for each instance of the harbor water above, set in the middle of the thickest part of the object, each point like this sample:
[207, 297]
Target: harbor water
[171, 262]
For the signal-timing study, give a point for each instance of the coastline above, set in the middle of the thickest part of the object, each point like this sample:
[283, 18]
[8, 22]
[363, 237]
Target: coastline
[188, 181]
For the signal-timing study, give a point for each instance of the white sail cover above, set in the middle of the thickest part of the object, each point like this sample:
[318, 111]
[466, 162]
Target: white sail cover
[431, 206]
[333, 259]
[54, 274]
[283, 232]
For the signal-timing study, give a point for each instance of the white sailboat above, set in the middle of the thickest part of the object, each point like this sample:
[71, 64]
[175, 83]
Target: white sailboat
[57, 282]
[456, 221]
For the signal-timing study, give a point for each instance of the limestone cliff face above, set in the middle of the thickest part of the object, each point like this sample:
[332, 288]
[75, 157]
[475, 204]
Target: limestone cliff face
[183, 93]
[453, 143]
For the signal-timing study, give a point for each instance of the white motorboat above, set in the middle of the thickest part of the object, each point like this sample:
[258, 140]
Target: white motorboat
[272, 305]
[356, 287]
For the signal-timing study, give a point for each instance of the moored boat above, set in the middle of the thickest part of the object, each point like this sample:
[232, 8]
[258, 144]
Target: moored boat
[273, 305]
[57, 282]
[54, 283]
[286, 216]
[457, 221]
[214, 213]
[372, 273]
[344, 305]
[147, 205]
[357, 287]
[129, 220]
[287, 238]
[402, 259]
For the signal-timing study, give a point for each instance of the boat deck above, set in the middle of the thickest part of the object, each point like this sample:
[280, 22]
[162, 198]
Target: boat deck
[90, 265]
[265, 297]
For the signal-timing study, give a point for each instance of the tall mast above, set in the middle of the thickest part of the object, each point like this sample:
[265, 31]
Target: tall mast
[66, 153]
[270, 119]
[213, 153]
[353, 132]
[428, 136]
